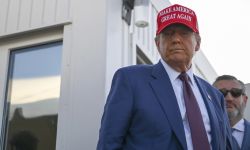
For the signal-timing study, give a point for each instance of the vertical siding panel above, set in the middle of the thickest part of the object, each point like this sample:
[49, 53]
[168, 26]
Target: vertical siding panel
[154, 16]
[69, 9]
[49, 12]
[25, 11]
[13, 16]
[63, 7]
[3, 15]
[150, 29]
[37, 13]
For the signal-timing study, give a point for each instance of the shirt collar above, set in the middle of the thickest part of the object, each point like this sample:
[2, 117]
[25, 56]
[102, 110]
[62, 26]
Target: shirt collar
[173, 74]
[239, 126]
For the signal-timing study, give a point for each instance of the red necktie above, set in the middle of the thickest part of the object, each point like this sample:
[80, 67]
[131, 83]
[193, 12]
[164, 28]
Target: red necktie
[197, 128]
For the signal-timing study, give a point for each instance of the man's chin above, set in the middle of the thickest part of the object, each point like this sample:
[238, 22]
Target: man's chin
[232, 113]
[230, 109]
[178, 59]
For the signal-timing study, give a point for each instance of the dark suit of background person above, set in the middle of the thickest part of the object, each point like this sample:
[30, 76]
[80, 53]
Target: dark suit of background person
[142, 112]
[236, 101]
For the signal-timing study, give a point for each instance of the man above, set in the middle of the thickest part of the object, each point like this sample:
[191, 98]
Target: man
[236, 99]
[148, 108]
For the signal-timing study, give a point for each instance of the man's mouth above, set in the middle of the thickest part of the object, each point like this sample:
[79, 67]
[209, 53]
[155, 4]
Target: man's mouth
[229, 106]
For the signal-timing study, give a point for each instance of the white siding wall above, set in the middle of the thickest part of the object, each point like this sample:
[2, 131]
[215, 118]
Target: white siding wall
[83, 85]
[118, 40]
[83, 24]
[24, 15]
[144, 37]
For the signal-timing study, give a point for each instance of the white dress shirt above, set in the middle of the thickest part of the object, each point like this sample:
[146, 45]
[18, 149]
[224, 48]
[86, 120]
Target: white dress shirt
[178, 89]
[238, 131]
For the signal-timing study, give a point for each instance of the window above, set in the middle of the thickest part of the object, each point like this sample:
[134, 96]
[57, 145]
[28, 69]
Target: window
[32, 95]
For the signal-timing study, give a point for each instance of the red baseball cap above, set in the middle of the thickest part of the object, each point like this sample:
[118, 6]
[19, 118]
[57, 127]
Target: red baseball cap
[176, 14]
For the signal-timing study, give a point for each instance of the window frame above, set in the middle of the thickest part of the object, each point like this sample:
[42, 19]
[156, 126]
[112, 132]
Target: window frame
[8, 44]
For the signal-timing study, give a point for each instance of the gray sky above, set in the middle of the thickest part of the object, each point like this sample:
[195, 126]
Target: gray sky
[225, 29]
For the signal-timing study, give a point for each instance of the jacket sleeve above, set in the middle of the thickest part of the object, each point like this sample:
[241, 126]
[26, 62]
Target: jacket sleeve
[117, 114]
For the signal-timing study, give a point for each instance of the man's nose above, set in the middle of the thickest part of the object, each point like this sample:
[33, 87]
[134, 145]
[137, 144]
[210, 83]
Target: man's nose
[229, 97]
[176, 37]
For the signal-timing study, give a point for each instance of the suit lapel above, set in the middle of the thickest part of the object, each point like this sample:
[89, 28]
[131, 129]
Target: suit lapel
[166, 97]
[214, 123]
[245, 142]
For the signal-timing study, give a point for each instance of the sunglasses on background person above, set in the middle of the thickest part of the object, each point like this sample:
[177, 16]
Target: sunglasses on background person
[234, 92]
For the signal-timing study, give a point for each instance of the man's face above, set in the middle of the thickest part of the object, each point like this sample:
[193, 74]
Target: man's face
[177, 44]
[235, 104]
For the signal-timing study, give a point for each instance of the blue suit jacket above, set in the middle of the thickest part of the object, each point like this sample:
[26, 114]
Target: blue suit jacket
[246, 138]
[141, 112]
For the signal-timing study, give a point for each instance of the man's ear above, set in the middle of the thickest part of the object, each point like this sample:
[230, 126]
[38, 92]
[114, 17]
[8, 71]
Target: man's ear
[198, 42]
[157, 43]
[245, 98]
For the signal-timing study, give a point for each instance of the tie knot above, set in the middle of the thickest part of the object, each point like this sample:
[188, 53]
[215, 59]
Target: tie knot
[183, 76]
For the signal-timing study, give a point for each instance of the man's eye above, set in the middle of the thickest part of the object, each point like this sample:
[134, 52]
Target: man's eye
[167, 33]
[184, 32]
